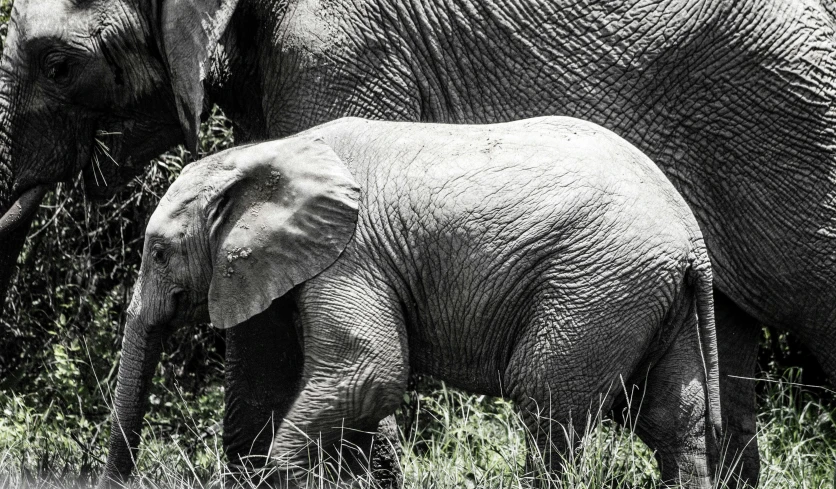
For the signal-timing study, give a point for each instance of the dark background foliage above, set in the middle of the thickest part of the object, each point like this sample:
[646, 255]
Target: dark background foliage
[74, 282]
[61, 330]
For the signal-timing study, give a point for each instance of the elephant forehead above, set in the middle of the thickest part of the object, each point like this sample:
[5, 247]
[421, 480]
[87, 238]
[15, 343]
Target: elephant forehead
[44, 18]
[201, 178]
[175, 209]
[165, 222]
[188, 195]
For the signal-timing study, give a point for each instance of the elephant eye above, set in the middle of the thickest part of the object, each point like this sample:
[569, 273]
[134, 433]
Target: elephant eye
[158, 255]
[57, 70]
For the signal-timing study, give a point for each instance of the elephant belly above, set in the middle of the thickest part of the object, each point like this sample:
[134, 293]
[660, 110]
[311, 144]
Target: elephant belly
[480, 374]
[562, 322]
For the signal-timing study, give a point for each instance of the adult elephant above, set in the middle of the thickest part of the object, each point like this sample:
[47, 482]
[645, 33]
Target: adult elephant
[734, 100]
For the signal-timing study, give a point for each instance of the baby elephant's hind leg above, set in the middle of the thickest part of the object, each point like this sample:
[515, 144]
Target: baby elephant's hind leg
[560, 386]
[672, 417]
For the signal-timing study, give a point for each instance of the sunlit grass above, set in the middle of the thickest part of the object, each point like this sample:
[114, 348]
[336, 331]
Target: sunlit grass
[457, 440]
[797, 436]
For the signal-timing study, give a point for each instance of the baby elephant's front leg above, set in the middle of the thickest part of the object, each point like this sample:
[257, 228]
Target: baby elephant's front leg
[355, 374]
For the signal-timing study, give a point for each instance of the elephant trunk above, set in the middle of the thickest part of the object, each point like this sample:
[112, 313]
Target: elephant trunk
[10, 245]
[141, 350]
[16, 211]
[14, 226]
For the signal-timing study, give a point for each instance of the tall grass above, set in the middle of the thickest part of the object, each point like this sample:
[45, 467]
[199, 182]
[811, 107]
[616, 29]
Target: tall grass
[798, 434]
[457, 440]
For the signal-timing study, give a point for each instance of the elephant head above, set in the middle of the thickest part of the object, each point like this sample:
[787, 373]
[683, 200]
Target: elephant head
[233, 233]
[126, 72]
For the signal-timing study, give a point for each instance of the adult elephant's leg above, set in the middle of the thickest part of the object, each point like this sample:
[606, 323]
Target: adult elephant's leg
[263, 369]
[737, 347]
[823, 347]
[386, 454]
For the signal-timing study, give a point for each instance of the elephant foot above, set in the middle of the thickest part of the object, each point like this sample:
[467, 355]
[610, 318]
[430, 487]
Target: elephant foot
[385, 455]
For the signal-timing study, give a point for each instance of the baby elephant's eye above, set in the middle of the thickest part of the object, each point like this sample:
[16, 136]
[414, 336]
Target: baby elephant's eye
[158, 255]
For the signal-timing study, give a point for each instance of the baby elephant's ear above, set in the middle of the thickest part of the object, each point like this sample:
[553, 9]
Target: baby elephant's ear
[286, 214]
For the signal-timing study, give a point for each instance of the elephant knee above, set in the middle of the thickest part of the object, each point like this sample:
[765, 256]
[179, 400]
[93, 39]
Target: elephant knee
[381, 391]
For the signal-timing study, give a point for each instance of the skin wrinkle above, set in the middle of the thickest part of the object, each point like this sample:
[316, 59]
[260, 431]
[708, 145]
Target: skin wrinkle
[423, 46]
[108, 40]
[133, 380]
[352, 90]
[381, 50]
[405, 223]
[396, 17]
[316, 391]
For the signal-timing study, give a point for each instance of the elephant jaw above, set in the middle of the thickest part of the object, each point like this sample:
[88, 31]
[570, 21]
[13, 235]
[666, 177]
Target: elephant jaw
[22, 210]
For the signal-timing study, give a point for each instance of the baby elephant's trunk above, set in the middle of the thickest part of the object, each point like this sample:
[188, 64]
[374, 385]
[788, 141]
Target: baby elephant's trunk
[140, 355]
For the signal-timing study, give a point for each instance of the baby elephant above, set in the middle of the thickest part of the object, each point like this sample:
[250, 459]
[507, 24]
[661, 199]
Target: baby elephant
[544, 260]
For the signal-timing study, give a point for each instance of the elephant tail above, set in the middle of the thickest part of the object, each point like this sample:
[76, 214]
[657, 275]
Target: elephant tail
[702, 279]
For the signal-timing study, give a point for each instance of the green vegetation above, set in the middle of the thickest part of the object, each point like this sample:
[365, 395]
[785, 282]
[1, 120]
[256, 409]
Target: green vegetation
[458, 440]
[60, 333]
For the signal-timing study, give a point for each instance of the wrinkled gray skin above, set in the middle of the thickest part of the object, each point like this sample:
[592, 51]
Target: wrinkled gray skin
[544, 260]
[734, 100]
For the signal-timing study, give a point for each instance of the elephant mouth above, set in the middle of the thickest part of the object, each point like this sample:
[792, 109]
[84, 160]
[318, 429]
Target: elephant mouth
[22, 210]
[24, 207]
[106, 170]
[101, 155]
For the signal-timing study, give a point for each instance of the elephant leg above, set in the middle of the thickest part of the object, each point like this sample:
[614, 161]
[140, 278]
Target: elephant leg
[556, 386]
[355, 374]
[263, 369]
[737, 348]
[823, 348]
[672, 415]
[555, 420]
[386, 454]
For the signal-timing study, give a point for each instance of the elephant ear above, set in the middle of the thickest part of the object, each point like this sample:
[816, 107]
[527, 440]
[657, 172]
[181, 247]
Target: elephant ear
[190, 31]
[286, 213]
